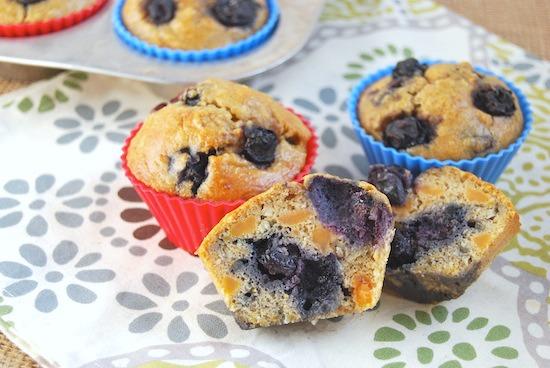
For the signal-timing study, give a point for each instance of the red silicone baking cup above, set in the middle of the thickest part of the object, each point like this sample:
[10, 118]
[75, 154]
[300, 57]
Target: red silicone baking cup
[187, 221]
[50, 25]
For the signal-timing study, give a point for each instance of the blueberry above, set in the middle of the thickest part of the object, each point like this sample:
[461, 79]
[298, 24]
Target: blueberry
[320, 287]
[348, 210]
[408, 68]
[441, 226]
[192, 97]
[276, 259]
[313, 281]
[393, 181]
[259, 145]
[494, 100]
[195, 169]
[235, 13]
[407, 132]
[160, 11]
[428, 230]
[28, 2]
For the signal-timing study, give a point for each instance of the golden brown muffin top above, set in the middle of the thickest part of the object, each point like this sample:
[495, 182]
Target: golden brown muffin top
[443, 111]
[218, 140]
[18, 11]
[194, 24]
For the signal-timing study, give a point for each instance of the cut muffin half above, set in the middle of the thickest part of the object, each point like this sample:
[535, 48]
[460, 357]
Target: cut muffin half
[301, 252]
[449, 229]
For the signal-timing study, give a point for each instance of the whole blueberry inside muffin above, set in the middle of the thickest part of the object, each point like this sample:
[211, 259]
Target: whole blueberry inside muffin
[218, 140]
[441, 111]
[194, 24]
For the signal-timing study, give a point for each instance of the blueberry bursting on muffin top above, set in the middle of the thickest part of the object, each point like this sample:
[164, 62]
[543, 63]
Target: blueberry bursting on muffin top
[218, 140]
[230, 13]
[442, 111]
[160, 11]
[194, 24]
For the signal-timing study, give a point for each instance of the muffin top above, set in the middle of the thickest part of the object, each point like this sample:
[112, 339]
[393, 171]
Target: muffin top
[194, 24]
[443, 111]
[218, 140]
[29, 11]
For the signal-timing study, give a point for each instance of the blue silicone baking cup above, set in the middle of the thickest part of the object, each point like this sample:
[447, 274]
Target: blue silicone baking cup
[197, 56]
[488, 168]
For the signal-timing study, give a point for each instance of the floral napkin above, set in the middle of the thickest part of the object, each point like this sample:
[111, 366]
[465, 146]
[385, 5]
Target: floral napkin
[88, 279]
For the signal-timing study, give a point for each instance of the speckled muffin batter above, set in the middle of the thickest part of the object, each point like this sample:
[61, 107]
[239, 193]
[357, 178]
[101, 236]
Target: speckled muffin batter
[29, 11]
[219, 140]
[301, 252]
[450, 225]
[443, 111]
[194, 24]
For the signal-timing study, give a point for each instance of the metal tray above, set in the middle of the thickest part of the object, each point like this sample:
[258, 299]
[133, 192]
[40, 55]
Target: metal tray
[93, 46]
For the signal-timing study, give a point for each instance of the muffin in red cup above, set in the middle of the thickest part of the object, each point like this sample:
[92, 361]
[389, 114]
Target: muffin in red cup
[20, 18]
[207, 151]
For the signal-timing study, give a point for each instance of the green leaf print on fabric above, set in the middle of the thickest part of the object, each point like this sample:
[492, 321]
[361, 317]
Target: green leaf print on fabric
[388, 334]
[448, 333]
[336, 10]
[386, 353]
[46, 104]
[505, 352]
[49, 100]
[424, 355]
[5, 310]
[359, 68]
[25, 104]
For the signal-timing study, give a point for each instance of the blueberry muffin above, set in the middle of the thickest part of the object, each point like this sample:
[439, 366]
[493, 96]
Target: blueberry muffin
[194, 24]
[442, 111]
[218, 140]
[301, 252]
[30, 11]
[450, 225]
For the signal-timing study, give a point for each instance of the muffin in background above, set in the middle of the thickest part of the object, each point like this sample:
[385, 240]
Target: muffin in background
[194, 24]
[441, 111]
[14, 12]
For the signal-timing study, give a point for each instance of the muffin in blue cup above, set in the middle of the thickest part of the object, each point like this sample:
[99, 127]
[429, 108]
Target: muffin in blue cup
[195, 30]
[420, 115]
